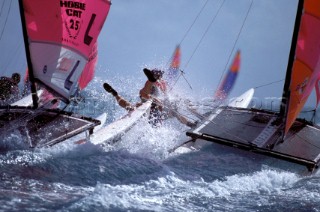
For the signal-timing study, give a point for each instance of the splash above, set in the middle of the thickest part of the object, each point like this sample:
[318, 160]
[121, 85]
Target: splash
[151, 142]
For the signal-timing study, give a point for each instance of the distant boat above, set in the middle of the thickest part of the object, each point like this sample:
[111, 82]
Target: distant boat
[174, 69]
[229, 80]
[60, 42]
[281, 134]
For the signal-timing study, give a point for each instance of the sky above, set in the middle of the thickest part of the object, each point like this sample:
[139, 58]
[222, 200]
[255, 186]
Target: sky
[144, 33]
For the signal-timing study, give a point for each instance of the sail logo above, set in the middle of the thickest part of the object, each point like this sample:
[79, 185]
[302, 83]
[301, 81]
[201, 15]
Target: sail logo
[301, 87]
[74, 9]
[73, 22]
[73, 4]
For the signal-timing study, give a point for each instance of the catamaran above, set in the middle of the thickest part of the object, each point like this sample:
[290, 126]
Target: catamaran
[281, 134]
[60, 44]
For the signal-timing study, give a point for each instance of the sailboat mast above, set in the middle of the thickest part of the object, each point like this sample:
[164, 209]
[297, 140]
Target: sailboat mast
[286, 89]
[30, 72]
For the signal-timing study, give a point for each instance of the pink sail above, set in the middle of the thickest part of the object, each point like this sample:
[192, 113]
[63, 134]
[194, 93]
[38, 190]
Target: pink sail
[89, 70]
[61, 36]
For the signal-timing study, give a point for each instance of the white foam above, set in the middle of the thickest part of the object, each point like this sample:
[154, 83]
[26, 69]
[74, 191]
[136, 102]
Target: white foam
[170, 191]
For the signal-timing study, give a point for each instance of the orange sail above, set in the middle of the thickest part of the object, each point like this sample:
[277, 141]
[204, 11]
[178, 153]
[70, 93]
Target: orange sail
[306, 65]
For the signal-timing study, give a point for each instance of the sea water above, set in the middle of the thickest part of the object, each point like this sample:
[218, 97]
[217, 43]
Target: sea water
[139, 173]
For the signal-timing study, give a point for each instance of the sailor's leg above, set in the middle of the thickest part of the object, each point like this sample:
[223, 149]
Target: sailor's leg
[195, 112]
[182, 119]
[124, 103]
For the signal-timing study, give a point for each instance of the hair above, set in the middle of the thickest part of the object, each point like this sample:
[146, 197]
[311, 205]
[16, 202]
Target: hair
[16, 77]
[157, 73]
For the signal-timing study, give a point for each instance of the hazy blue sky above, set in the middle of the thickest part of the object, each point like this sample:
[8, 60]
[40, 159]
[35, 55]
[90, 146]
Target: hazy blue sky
[143, 33]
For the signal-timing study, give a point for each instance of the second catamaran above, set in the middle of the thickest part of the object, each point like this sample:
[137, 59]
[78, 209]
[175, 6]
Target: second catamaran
[279, 135]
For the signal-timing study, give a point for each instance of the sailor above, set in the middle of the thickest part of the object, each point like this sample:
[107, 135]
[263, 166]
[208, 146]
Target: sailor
[9, 89]
[154, 89]
[149, 91]
[163, 108]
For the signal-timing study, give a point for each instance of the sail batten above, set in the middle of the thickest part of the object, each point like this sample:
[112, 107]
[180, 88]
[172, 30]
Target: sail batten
[61, 36]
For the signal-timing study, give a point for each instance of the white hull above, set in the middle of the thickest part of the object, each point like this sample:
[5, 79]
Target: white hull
[116, 129]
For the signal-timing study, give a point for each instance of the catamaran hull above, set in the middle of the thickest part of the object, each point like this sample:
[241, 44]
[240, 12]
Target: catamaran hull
[259, 131]
[43, 127]
[114, 131]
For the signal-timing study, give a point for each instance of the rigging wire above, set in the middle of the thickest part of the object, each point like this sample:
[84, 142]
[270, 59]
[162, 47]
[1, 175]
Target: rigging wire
[185, 35]
[238, 36]
[2, 7]
[194, 51]
[187, 32]
[5, 23]
[204, 34]
[268, 84]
